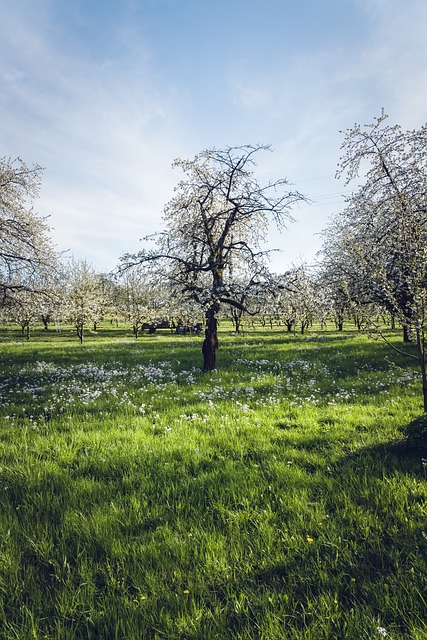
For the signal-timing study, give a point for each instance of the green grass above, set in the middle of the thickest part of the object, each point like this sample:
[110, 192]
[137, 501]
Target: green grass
[277, 497]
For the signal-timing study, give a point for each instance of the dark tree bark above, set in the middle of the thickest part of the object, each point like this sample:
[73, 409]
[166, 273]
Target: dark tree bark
[210, 343]
[422, 361]
[406, 334]
[80, 331]
[289, 325]
[45, 320]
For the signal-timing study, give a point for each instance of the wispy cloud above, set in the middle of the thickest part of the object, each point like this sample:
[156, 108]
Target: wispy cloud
[104, 109]
[106, 135]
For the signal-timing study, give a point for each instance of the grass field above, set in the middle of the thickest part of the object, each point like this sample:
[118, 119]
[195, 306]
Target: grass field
[277, 497]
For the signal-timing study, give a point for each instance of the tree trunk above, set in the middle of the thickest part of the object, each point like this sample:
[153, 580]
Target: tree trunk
[406, 336]
[80, 331]
[422, 360]
[210, 343]
[236, 316]
[237, 324]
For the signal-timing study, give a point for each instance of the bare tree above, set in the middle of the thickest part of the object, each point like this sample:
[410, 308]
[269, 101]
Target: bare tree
[217, 219]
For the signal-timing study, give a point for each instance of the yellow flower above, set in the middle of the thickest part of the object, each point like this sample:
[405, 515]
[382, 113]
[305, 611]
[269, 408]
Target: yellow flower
[310, 539]
[186, 591]
[142, 598]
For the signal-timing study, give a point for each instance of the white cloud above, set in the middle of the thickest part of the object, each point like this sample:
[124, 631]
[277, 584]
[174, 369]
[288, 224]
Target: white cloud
[107, 125]
[105, 135]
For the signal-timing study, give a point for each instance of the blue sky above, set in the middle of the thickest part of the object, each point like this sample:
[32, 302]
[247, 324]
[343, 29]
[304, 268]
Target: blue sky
[106, 94]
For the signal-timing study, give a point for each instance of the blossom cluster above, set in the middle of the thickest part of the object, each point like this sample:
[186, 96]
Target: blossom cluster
[51, 389]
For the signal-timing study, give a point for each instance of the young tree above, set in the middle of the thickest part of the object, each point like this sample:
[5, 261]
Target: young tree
[339, 276]
[278, 303]
[218, 219]
[139, 299]
[83, 300]
[304, 296]
[25, 246]
[295, 299]
[37, 299]
[24, 309]
[383, 231]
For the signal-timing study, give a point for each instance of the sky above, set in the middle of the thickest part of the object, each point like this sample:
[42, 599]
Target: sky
[105, 94]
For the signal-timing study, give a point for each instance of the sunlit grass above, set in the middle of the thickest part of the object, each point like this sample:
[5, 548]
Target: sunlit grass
[274, 498]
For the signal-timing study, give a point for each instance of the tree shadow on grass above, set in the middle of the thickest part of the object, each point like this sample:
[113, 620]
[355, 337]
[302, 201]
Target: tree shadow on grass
[357, 566]
[378, 562]
[415, 436]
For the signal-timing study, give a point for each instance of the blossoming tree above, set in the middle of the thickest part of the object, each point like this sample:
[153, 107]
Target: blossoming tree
[25, 247]
[382, 233]
[217, 219]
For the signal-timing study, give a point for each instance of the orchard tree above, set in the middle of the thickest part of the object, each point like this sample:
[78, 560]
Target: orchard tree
[24, 309]
[251, 290]
[217, 219]
[383, 230]
[340, 277]
[335, 301]
[183, 312]
[37, 299]
[25, 246]
[347, 280]
[83, 300]
[279, 304]
[296, 298]
[141, 298]
[305, 297]
[131, 300]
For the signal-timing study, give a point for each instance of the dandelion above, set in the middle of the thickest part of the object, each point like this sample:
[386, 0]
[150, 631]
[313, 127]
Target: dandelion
[310, 539]
[186, 591]
[142, 598]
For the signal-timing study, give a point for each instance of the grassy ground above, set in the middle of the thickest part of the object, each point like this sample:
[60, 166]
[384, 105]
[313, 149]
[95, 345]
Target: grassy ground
[274, 498]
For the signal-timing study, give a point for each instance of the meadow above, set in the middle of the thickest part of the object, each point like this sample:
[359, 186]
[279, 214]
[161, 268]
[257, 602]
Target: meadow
[282, 496]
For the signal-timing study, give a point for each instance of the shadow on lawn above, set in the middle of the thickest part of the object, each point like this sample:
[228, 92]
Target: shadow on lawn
[361, 558]
[415, 434]
[379, 565]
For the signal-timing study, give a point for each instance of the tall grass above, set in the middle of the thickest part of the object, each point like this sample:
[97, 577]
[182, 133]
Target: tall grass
[274, 498]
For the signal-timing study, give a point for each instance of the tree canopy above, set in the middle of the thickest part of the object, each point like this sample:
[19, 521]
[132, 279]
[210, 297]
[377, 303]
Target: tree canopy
[379, 242]
[215, 226]
[26, 252]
